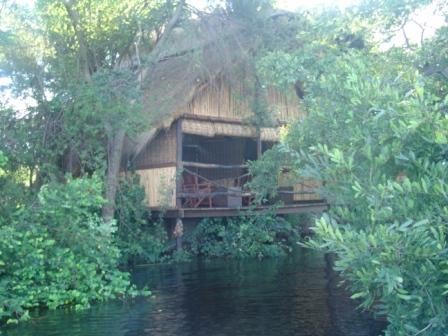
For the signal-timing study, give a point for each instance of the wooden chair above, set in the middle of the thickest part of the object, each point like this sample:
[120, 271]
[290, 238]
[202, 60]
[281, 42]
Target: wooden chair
[200, 190]
[247, 195]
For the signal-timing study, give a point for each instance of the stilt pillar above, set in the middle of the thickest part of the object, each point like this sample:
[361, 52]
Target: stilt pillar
[178, 233]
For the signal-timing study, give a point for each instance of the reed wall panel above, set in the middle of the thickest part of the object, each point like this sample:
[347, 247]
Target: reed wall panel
[159, 185]
[307, 189]
[286, 106]
[161, 150]
[215, 128]
[304, 191]
[220, 101]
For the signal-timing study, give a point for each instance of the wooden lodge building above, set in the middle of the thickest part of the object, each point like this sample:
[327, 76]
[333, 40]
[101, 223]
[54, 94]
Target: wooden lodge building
[193, 161]
[197, 165]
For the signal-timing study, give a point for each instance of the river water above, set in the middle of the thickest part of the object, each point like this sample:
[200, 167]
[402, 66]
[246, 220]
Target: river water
[296, 295]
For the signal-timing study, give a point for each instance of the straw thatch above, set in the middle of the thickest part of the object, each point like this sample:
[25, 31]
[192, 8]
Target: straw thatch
[218, 101]
[196, 54]
[205, 70]
[213, 128]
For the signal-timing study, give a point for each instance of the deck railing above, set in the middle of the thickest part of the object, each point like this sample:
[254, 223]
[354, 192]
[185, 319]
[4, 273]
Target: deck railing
[199, 191]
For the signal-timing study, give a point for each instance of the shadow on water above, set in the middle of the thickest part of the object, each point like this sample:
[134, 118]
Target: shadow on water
[296, 295]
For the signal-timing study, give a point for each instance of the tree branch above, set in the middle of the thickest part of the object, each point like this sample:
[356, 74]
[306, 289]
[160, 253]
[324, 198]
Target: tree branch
[86, 68]
[155, 54]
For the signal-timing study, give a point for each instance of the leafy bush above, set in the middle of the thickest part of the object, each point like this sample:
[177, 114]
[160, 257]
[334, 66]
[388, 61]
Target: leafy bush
[251, 236]
[378, 139]
[400, 270]
[138, 237]
[59, 252]
[13, 194]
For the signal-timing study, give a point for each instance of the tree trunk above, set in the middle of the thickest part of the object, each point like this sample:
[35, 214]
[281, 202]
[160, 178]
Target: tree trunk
[116, 137]
[115, 148]
[86, 68]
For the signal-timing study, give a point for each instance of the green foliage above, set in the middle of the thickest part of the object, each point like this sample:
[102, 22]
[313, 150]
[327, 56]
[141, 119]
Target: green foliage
[281, 68]
[13, 192]
[399, 270]
[266, 174]
[383, 173]
[241, 237]
[78, 200]
[179, 256]
[112, 98]
[59, 252]
[79, 62]
[376, 136]
[138, 237]
[3, 159]
[389, 13]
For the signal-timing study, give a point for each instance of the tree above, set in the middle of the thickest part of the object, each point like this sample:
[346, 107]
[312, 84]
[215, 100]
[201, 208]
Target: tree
[82, 63]
[85, 71]
[376, 134]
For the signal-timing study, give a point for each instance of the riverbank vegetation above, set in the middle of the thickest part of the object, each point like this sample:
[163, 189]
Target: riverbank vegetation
[256, 236]
[57, 251]
[375, 135]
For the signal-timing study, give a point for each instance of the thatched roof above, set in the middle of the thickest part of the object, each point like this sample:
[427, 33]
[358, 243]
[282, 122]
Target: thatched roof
[202, 50]
[216, 128]
[196, 54]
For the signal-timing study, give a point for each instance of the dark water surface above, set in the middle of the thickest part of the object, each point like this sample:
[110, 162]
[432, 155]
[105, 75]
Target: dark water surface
[296, 295]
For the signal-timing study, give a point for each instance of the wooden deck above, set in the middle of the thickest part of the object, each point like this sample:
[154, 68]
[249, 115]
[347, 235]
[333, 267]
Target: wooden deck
[304, 206]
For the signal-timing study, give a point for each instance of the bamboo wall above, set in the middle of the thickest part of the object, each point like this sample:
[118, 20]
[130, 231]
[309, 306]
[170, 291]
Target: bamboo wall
[220, 101]
[160, 151]
[285, 106]
[160, 186]
[306, 191]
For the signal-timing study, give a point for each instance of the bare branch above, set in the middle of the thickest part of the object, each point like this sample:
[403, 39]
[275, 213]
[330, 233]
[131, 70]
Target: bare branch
[169, 28]
[87, 69]
[422, 28]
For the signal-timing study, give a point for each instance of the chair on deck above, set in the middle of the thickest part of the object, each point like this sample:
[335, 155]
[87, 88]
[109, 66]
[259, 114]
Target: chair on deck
[241, 182]
[198, 191]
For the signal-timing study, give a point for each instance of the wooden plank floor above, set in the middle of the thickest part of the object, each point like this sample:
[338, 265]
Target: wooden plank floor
[305, 206]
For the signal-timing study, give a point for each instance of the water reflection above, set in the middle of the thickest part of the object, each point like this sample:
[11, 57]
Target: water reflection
[287, 296]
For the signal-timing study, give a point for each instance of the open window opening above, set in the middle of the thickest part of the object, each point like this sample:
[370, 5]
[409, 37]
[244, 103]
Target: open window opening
[215, 171]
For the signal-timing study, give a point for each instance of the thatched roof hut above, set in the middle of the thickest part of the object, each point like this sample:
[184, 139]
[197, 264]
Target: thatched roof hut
[200, 98]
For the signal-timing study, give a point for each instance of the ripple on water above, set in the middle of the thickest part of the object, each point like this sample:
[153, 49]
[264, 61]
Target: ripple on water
[296, 295]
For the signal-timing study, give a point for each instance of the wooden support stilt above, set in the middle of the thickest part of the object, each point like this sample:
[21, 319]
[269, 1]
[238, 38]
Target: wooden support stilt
[178, 233]
[179, 146]
[179, 243]
[259, 146]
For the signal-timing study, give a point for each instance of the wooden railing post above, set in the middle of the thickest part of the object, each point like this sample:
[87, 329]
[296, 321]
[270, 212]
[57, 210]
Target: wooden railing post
[259, 146]
[178, 233]
[179, 164]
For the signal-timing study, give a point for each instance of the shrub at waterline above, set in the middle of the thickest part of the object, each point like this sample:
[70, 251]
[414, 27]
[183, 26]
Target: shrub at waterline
[246, 236]
[379, 141]
[140, 239]
[58, 251]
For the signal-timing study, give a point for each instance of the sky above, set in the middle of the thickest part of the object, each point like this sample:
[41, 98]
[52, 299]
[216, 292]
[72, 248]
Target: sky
[295, 4]
[291, 5]
[427, 18]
